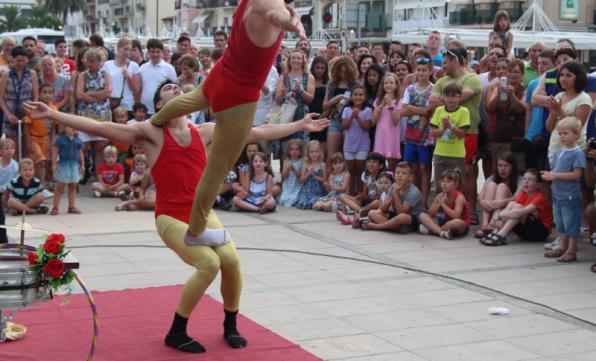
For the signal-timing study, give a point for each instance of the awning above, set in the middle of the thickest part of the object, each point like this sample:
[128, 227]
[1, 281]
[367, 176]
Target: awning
[200, 19]
[305, 10]
[413, 4]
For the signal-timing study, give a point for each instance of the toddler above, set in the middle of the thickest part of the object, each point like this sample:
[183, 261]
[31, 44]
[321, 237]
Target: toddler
[567, 166]
[67, 164]
[110, 176]
[338, 183]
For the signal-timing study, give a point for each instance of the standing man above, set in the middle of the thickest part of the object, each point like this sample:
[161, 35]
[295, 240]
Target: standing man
[153, 73]
[8, 43]
[433, 45]
[220, 39]
[68, 66]
[531, 71]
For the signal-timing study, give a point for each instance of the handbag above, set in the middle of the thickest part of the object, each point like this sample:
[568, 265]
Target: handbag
[115, 101]
[283, 114]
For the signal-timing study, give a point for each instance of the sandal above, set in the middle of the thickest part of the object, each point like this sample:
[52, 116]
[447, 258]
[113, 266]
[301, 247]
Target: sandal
[494, 239]
[365, 225]
[133, 207]
[42, 210]
[355, 222]
[54, 212]
[554, 254]
[483, 231]
[474, 219]
[74, 210]
[567, 257]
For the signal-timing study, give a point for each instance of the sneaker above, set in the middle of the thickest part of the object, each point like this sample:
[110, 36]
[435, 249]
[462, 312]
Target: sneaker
[47, 194]
[365, 225]
[447, 235]
[119, 194]
[96, 194]
[593, 239]
[422, 228]
[554, 245]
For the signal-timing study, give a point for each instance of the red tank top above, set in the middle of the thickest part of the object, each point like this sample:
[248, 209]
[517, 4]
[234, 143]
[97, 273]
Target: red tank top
[243, 68]
[176, 173]
[465, 213]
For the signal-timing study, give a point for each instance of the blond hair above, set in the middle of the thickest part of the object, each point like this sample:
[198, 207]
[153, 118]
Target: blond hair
[123, 42]
[571, 123]
[93, 53]
[7, 141]
[120, 111]
[110, 150]
[311, 144]
[140, 158]
[25, 161]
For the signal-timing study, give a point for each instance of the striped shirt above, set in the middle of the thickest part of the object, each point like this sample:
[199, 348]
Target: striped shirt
[24, 192]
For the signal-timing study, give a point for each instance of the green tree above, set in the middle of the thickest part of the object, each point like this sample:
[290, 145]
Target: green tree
[41, 19]
[13, 19]
[63, 7]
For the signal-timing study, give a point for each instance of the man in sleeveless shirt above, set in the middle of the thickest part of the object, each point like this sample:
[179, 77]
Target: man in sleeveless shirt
[232, 90]
[176, 174]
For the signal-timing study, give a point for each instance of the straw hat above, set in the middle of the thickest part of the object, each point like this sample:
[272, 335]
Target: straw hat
[15, 331]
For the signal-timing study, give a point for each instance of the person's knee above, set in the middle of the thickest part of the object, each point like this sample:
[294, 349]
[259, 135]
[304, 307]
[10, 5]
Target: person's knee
[502, 188]
[209, 266]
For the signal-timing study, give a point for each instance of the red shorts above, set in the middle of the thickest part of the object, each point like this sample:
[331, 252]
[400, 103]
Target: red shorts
[223, 93]
[471, 144]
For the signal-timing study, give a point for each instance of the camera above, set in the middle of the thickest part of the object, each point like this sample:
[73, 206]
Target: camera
[503, 84]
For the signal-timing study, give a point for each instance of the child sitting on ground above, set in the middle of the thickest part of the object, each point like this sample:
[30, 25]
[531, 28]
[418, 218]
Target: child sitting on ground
[338, 183]
[110, 176]
[385, 202]
[142, 196]
[9, 168]
[567, 165]
[26, 191]
[449, 215]
[136, 178]
[407, 201]
[369, 197]
[41, 133]
[529, 215]
[257, 192]
[68, 162]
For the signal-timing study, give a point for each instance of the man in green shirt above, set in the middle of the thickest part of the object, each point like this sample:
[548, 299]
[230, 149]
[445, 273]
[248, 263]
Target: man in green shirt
[453, 65]
[531, 69]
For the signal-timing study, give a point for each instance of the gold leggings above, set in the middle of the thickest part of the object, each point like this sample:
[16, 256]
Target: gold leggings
[207, 260]
[231, 131]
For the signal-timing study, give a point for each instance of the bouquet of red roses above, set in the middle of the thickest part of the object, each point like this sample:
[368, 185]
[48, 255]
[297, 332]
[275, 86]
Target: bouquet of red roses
[49, 259]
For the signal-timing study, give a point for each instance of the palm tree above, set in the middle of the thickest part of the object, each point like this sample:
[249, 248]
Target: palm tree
[41, 19]
[13, 19]
[63, 7]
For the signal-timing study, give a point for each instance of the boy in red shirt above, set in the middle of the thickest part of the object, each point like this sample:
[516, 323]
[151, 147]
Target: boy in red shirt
[110, 175]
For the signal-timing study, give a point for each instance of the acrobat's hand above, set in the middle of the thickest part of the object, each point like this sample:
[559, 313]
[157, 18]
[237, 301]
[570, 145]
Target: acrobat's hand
[294, 24]
[37, 110]
[314, 125]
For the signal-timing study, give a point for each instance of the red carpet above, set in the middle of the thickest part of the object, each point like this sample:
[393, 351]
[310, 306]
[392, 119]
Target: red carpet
[132, 326]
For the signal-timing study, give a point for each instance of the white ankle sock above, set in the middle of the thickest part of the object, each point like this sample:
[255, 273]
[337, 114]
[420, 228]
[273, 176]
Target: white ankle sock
[210, 238]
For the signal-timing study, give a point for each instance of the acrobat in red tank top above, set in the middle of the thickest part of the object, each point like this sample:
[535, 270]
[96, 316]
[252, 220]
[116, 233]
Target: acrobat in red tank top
[176, 174]
[237, 78]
